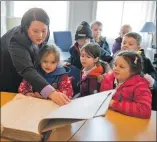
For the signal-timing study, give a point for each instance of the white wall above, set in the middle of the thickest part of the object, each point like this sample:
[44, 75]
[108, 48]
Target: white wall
[80, 11]
[3, 18]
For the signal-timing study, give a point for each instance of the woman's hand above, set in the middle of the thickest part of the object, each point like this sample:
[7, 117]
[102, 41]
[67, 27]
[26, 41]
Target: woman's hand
[37, 95]
[30, 94]
[59, 98]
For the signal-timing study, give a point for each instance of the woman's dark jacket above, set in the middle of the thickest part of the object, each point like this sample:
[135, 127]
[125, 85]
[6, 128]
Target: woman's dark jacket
[19, 60]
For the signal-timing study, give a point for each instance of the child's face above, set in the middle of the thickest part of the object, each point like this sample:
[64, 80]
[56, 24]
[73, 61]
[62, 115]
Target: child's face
[87, 61]
[129, 43]
[48, 63]
[83, 41]
[96, 30]
[121, 69]
[124, 30]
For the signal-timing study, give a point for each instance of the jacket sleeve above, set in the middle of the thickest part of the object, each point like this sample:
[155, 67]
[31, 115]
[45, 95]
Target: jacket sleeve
[70, 58]
[105, 46]
[93, 86]
[139, 107]
[65, 86]
[151, 69]
[24, 87]
[24, 65]
[115, 47]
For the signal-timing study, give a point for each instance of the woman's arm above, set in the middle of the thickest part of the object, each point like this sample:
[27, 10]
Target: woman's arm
[23, 63]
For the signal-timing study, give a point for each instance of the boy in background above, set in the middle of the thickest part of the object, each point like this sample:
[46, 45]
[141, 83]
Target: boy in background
[97, 27]
[83, 35]
[117, 44]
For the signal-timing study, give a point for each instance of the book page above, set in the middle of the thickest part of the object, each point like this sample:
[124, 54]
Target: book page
[25, 113]
[104, 107]
[82, 108]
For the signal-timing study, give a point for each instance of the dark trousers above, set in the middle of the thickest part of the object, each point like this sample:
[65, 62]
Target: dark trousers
[154, 99]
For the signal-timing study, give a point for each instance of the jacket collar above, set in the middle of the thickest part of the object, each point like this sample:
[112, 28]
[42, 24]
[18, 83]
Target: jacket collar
[132, 81]
[58, 71]
[94, 73]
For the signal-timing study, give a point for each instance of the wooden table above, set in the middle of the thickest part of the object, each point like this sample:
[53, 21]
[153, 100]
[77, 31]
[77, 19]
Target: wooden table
[113, 127]
[61, 134]
[117, 127]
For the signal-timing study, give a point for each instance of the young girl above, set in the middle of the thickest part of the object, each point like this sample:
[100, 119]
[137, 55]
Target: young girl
[49, 69]
[133, 96]
[91, 69]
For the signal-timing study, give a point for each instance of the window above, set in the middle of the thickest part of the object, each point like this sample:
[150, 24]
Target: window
[109, 13]
[57, 11]
[113, 14]
[134, 14]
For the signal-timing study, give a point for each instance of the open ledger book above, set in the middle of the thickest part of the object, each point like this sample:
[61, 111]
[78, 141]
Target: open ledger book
[28, 119]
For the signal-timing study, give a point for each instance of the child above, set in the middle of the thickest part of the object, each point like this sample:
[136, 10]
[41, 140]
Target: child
[96, 27]
[117, 45]
[91, 69]
[83, 35]
[49, 69]
[132, 41]
[133, 96]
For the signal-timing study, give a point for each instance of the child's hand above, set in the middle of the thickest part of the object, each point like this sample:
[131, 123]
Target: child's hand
[30, 94]
[111, 102]
[149, 79]
[59, 98]
[66, 64]
[100, 78]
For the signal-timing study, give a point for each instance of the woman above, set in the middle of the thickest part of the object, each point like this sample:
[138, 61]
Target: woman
[19, 56]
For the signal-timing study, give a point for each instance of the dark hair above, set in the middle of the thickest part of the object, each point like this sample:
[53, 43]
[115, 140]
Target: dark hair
[47, 49]
[136, 36]
[133, 59]
[34, 14]
[97, 23]
[92, 49]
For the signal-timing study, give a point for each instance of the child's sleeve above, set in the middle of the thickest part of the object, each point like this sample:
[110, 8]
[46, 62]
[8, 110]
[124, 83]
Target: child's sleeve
[24, 87]
[65, 85]
[139, 107]
[93, 86]
[151, 69]
[154, 85]
[69, 60]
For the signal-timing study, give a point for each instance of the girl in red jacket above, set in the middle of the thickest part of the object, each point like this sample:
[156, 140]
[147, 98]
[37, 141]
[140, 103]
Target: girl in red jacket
[132, 96]
[55, 74]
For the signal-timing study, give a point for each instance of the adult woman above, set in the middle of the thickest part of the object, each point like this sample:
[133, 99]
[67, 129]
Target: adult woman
[19, 55]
